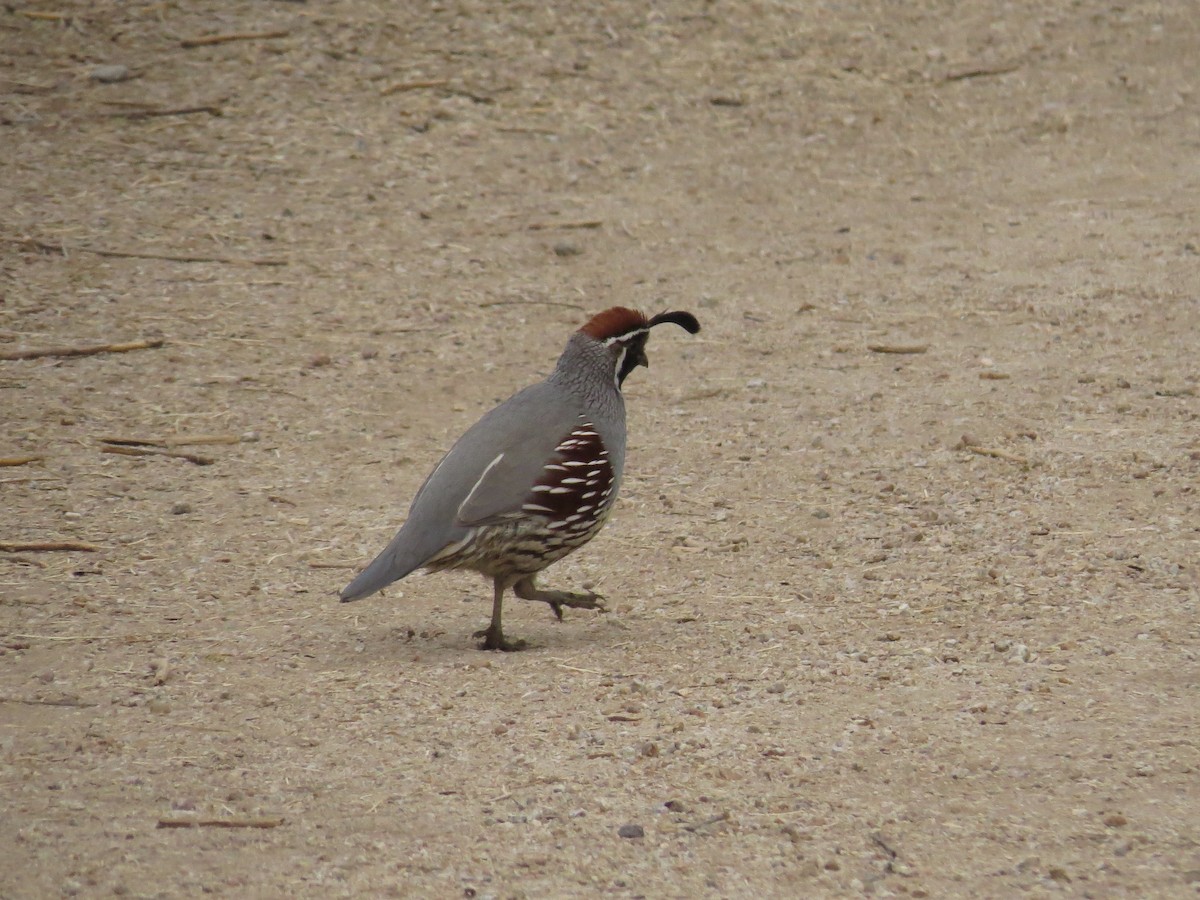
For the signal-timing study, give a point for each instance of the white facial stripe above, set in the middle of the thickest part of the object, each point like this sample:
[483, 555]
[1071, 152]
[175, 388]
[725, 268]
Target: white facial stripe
[617, 368]
[624, 336]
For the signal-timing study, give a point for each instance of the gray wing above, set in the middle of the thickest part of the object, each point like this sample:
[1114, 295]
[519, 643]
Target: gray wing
[515, 442]
[484, 478]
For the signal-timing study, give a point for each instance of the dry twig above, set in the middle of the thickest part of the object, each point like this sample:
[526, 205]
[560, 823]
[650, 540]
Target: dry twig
[712, 820]
[193, 822]
[546, 226]
[209, 39]
[996, 454]
[531, 303]
[81, 704]
[155, 451]
[176, 441]
[898, 348]
[27, 87]
[158, 111]
[46, 546]
[90, 350]
[402, 86]
[19, 460]
[437, 85]
[25, 561]
[966, 72]
[63, 250]
[879, 841]
[44, 16]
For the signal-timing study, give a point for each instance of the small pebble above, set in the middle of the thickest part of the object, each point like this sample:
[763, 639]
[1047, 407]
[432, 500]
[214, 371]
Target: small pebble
[631, 831]
[180, 508]
[565, 248]
[1115, 820]
[110, 74]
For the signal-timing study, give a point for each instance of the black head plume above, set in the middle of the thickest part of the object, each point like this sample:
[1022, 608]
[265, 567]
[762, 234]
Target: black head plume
[684, 320]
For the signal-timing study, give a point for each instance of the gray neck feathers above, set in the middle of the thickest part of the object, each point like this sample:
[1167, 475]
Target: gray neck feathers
[587, 369]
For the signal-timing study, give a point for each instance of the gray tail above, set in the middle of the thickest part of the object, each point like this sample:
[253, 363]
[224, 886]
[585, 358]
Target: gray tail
[390, 565]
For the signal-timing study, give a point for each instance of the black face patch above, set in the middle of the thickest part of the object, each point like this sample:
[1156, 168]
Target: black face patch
[635, 355]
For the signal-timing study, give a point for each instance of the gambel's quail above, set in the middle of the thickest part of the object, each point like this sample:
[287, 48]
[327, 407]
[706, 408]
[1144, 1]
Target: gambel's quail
[532, 480]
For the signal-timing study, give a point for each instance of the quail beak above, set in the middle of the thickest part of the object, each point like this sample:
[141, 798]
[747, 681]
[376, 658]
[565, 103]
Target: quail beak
[641, 359]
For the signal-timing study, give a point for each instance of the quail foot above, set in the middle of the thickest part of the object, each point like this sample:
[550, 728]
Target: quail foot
[532, 480]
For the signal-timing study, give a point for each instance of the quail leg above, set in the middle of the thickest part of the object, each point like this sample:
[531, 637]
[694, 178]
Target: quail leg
[493, 635]
[527, 589]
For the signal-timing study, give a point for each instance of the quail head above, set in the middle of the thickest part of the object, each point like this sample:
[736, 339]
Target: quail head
[532, 480]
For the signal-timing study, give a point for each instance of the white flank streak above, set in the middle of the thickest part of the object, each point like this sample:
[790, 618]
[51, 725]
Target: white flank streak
[489, 468]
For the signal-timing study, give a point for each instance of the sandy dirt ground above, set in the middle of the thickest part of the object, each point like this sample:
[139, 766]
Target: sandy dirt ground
[899, 624]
